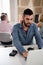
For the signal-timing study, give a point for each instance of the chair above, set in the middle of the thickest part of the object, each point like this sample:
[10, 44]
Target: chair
[5, 37]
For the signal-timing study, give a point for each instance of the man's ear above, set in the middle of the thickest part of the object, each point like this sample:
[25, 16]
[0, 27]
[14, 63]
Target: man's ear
[23, 17]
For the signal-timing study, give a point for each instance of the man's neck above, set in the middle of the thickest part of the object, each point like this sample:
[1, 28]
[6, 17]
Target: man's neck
[4, 21]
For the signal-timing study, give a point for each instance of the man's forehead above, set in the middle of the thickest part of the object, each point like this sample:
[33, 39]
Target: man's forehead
[28, 16]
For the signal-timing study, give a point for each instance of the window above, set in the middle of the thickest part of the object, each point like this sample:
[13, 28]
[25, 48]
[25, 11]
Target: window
[5, 7]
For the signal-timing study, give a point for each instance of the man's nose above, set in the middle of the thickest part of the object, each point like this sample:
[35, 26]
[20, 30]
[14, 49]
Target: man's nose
[29, 21]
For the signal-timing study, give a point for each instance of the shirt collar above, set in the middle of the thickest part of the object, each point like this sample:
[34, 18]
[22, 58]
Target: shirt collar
[21, 25]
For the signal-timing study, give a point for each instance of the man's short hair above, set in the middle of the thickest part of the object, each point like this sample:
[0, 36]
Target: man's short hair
[27, 12]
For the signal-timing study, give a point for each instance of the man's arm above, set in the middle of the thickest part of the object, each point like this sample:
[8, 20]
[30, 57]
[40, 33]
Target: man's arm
[16, 40]
[38, 38]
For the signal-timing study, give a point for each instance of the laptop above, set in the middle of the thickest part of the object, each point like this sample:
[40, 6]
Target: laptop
[35, 57]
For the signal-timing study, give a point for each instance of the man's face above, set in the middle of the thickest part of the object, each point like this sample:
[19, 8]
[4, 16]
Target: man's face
[28, 19]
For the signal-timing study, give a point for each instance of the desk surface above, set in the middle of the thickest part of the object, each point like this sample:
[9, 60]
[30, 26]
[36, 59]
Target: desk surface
[5, 59]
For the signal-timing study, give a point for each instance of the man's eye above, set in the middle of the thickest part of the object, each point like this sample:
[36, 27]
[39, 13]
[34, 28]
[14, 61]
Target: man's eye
[31, 19]
[28, 19]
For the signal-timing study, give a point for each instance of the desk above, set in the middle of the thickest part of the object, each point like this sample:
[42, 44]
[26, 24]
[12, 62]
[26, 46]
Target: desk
[5, 59]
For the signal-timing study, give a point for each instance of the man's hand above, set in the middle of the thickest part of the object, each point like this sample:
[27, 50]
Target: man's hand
[25, 54]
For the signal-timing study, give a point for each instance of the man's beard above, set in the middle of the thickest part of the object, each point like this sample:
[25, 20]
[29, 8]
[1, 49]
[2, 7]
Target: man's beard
[26, 24]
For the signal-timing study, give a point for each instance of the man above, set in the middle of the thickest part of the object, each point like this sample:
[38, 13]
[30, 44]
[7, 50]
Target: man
[23, 33]
[5, 26]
